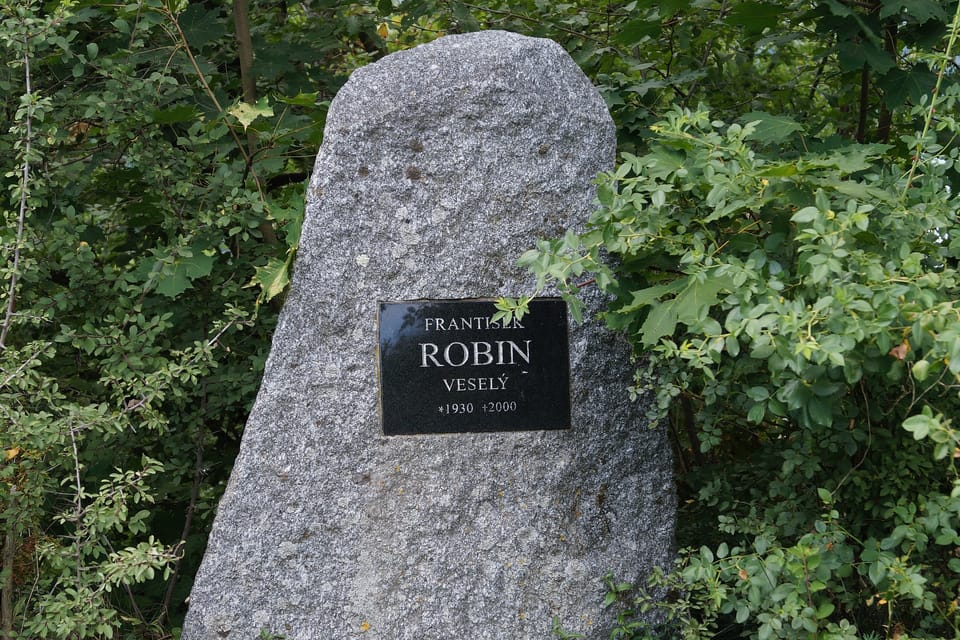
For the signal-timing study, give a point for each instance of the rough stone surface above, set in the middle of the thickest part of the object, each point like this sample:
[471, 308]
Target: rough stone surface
[440, 165]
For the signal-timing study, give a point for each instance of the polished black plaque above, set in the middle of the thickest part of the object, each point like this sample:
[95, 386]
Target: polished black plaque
[446, 367]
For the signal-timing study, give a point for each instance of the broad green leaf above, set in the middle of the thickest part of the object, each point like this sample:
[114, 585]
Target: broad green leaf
[854, 56]
[757, 413]
[920, 370]
[664, 162]
[859, 190]
[769, 128]
[181, 113]
[758, 394]
[839, 9]
[272, 278]
[807, 214]
[246, 113]
[300, 100]
[783, 591]
[848, 159]
[635, 31]
[686, 307]
[917, 10]
[820, 411]
[698, 295]
[645, 297]
[901, 85]
[706, 554]
[177, 278]
[877, 572]
[200, 26]
[661, 322]
[779, 170]
[755, 17]
[920, 425]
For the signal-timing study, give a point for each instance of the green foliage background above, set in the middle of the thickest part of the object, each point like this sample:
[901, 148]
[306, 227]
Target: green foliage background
[783, 232]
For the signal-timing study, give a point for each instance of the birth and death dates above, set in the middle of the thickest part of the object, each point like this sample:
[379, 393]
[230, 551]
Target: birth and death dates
[466, 408]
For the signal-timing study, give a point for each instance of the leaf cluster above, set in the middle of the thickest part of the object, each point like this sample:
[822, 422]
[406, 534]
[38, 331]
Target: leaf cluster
[796, 320]
[147, 203]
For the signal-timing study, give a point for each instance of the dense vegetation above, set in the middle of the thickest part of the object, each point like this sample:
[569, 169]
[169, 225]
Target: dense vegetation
[783, 225]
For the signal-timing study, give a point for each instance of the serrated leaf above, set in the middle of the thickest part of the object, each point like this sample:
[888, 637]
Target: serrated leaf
[200, 26]
[770, 129]
[176, 278]
[877, 572]
[853, 56]
[662, 163]
[247, 113]
[694, 297]
[272, 278]
[635, 31]
[698, 296]
[849, 159]
[300, 100]
[645, 297]
[755, 17]
[899, 85]
[917, 10]
[174, 284]
[661, 322]
[779, 171]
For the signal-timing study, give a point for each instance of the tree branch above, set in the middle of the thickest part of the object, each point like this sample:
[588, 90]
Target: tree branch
[9, 556]
[22, 216]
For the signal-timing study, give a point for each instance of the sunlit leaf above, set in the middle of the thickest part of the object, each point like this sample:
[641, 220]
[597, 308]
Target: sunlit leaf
[247, 113]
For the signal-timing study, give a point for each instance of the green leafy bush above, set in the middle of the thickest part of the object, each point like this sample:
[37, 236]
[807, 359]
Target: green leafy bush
[144, 202]
[797, 316]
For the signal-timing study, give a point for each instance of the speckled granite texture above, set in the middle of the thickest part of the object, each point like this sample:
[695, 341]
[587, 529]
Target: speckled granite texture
[440, 165]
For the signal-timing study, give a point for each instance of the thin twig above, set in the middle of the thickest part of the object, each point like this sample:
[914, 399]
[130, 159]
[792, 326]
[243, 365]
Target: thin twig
[26, 361]
[9, 556]
[918, 151]
[79, 502]
[185, 45]
[866, 451]
[191, 509]
[24, 185]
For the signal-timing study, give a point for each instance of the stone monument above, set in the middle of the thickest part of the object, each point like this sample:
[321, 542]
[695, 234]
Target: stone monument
[412, 470]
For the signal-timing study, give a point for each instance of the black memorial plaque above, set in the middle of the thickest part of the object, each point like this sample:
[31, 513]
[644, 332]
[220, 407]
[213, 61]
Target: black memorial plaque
[446, 367]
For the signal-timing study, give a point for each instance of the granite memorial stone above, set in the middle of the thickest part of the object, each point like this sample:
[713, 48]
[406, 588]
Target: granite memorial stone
[455, 478]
